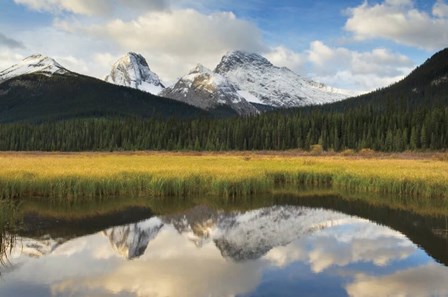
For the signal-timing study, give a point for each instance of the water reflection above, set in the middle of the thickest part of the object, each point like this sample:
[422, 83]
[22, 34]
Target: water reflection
[271, 251]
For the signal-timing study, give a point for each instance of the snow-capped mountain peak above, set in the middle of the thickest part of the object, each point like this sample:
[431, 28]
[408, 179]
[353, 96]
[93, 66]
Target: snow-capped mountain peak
[275, 86]
[239, 236]
[132, 70]
[199, 68]
[236, 59]
[37, 63]
[203, 88]
[131, 241]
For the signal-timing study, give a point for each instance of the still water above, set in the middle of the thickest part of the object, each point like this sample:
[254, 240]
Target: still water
[320, 248]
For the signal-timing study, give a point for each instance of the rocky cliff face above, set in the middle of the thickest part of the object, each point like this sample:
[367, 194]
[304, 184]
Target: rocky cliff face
[131, 241]
[133, 71]
[208, 90]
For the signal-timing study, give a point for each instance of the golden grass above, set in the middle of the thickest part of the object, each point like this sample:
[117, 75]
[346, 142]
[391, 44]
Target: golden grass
[69, 177]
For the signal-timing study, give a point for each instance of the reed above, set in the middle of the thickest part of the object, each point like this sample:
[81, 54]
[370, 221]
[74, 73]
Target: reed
[98, 176]
[9, 216]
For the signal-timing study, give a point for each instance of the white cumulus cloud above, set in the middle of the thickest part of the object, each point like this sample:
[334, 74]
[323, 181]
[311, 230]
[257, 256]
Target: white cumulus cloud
[93, 7]
[361, 71]
[440, 9]
[401, 22]
[284, 57]
[424, 281]
[174, 41]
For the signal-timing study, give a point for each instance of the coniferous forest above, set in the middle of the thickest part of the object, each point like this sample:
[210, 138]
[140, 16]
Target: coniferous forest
[411, 114]
[390, 131]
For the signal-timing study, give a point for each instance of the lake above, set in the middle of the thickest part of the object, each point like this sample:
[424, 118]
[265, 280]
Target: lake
[282, 246]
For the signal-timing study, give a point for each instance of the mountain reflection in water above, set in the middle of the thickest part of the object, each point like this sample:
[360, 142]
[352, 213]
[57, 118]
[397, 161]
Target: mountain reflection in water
[271, 251]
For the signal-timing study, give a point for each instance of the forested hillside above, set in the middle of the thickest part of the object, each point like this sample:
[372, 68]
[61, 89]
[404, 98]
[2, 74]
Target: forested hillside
[426, 86]
[395, 130]
[410, 115]
[37, 98]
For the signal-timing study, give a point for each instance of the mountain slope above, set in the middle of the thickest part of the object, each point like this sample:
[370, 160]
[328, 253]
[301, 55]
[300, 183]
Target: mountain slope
[267, 84]
[133, 71]
[426, 86]
[44, 90]
[207, 90]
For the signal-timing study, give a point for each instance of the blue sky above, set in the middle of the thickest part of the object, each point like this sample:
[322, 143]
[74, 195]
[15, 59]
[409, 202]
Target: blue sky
[351, 44]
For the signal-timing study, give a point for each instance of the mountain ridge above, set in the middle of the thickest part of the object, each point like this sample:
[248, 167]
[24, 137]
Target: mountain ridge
[39, 89]
[207, 90]
[274, 86]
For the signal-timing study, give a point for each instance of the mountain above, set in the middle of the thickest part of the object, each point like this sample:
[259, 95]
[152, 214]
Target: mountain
[37, 64]
[426, 86]
[37, 247]
[250, 235]
[39, 89]
[133, 71]
[266, 84]
[209, 91]
[239, 236]
[131, 241]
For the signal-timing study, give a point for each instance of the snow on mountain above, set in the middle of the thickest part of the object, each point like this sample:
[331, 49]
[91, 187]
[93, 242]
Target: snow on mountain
[207, 90]
[239, 236]
[251, 235]
[38, 64]
[264, 83]
[133, 71]
[131, 241]
[34, 247]
[197, 224]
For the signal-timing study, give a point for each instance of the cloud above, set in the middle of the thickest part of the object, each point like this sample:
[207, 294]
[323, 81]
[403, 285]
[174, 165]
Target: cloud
[329, 251]
[5, 41]
[74, 63]
[9, 58]
[165, 270]
[174, 41]
[424, 281]
[401, 22]
[360, 71]
[93, 7]
[440, 9]
[285, 57]
[104, 61]
[87, 7]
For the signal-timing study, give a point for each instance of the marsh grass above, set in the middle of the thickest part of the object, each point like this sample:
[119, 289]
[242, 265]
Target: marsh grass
[9, 216]
[70, 178]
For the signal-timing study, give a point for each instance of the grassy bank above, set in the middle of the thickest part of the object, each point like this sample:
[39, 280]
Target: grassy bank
[87, 176]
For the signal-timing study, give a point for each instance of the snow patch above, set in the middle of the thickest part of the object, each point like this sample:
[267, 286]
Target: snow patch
[249, 97]
[38, 64]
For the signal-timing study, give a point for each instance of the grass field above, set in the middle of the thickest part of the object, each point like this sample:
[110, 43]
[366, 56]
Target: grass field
[87, 176]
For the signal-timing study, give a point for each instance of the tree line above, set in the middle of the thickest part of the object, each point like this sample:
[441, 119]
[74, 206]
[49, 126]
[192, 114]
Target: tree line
[378, 129]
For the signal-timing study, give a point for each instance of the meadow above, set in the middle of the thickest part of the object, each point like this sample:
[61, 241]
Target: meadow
[71, 177]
